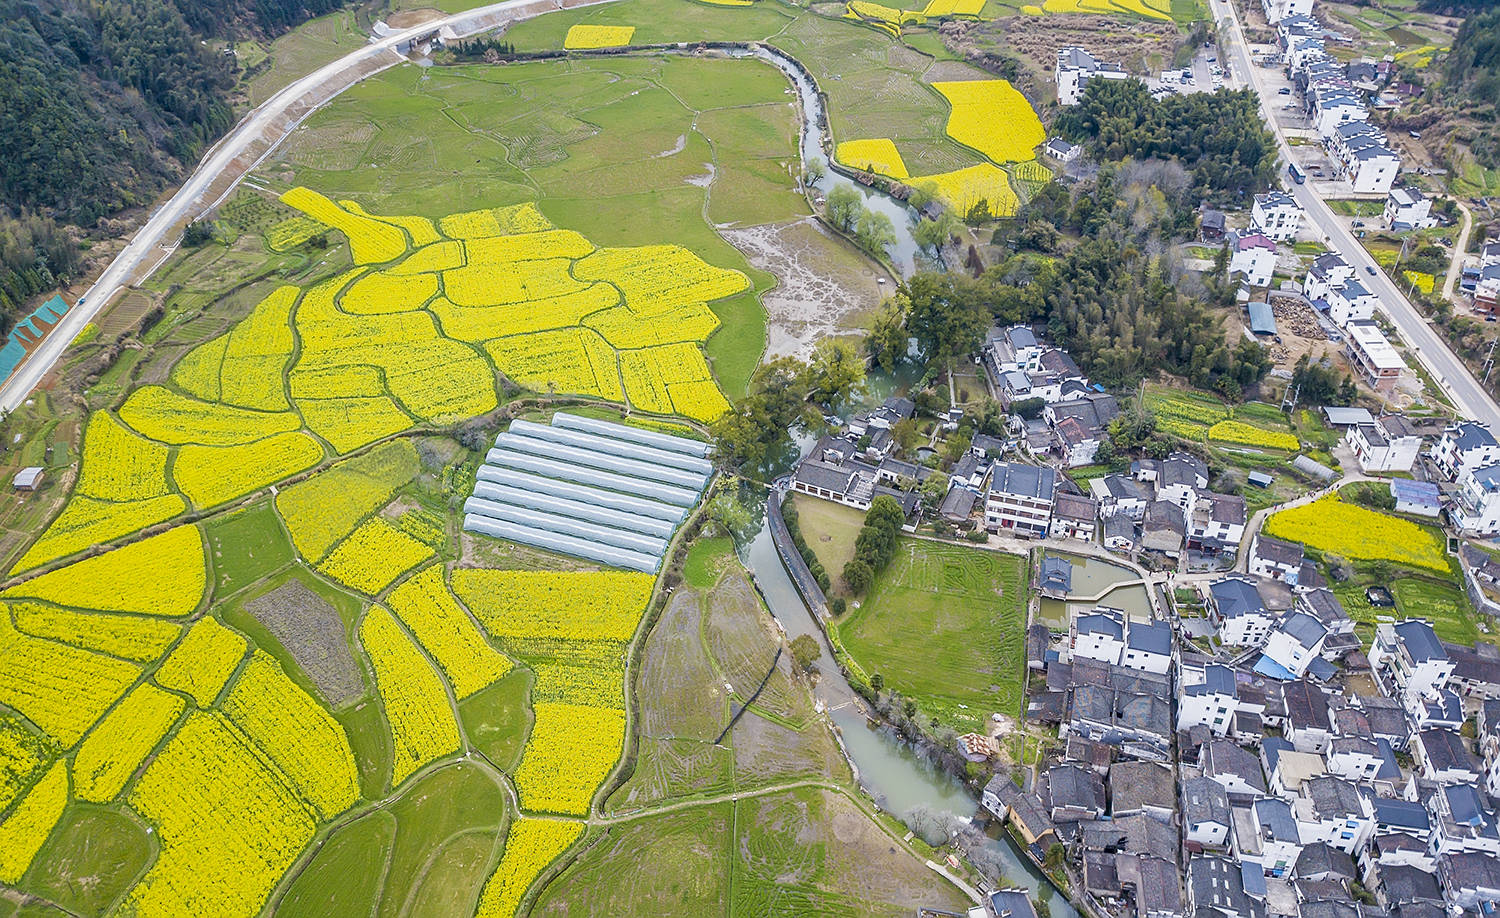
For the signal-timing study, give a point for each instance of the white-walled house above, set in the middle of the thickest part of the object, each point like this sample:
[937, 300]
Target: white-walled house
[1350, 301]
[1328, 271]
[1020, 499]
[1252, 257]
[1476, 504]
[1236, 608]
[1148, 647]
[1207, 695]
[1097, 635]
[1275, 558]
[1332, 106]
[1075, 67]
[1385, 445]
[1277, 10]
[1373, 169]
[1466, 446]
[1411, 657]
[1294, 642]
[1408, 209]
[1276, 215]
[1205, 812]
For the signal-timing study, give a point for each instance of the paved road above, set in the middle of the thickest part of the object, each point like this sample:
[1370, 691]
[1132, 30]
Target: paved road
[1446, 369]
[271, 121]
[1456, 268]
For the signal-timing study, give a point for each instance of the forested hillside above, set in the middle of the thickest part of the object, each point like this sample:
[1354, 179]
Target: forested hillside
[1471, 81]
[102, 104]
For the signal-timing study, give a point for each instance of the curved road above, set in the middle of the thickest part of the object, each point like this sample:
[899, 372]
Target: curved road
[264, 127]
[1446, 368]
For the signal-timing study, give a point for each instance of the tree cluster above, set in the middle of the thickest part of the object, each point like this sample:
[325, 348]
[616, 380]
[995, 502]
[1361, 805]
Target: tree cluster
[36, 254]
[875, 545]
[872, 231]
[786, 394]
[1219, 137]
[1471, 77]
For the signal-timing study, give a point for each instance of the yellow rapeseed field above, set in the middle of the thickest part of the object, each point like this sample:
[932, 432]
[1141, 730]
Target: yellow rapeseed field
[416, 707]
[581, 37]
[879, 155]
[994, 118]
[29, 824]
[962, 189]
[447, 633]
[1359, 534]
[203, 662]
[161, 575]
[120, 743]
[531, 845]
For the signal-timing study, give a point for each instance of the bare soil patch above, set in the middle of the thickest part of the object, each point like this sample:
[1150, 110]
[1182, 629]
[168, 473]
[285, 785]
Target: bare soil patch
[1037, 39]
[312, 632]
[825, 289]
[406, 19]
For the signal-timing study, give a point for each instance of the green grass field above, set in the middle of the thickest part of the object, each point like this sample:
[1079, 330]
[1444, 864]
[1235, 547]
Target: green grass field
[91, 859]
[830, 530]
[247, 546]
[497, 718]
[945, 625]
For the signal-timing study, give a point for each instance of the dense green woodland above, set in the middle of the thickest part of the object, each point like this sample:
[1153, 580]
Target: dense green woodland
[1471, 81]
[102, 104]
[1218, 137]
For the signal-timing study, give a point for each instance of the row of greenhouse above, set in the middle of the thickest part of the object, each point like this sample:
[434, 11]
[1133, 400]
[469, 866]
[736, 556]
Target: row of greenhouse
[592, 489]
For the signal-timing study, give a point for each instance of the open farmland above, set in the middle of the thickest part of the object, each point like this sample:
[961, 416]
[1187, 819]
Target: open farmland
[1333, 526]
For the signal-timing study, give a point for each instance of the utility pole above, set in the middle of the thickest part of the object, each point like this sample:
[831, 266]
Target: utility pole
[1489, 361]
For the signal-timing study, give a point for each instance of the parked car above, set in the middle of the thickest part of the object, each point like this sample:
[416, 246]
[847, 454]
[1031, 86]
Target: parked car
[1358, 223]
[1284, 91]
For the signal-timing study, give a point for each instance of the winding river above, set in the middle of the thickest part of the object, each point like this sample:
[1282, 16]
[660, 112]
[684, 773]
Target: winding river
[889, 770]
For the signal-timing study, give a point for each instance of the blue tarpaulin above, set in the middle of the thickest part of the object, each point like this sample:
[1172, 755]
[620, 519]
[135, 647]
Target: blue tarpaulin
[29, 331]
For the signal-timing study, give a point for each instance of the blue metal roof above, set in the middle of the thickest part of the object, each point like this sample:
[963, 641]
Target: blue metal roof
[1269, 667]
[1416, 492]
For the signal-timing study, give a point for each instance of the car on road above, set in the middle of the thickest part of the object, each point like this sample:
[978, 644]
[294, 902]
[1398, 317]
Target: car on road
[1358, 223]
[1284, 91]
[1370, 270]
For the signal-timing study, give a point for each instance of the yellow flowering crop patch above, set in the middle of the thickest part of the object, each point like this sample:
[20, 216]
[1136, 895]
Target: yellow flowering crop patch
[336, 382]
[481, 323]
[878, 155]
[86, 522]
[383, 292]
[349, 423]
[324, 509]
[545, 604]
[373, 556]
[447, 633]
[531, 845]
[130, 637]
[1421, 280]
[296, 733]
[882, 17]
[120, 743]
[593, 685]
[623, 329]
[119, 465]
[994, 118]
[440, 256]
[1141, 9]
[572, 750]
[230, 827]
[419, 229]
[654, 278]
[160, 575]
[672, 378]
[163, 415]
[203, 662]
[566, 360]
[517, 218]
[24, 831]
[370, 241]
[244, 367]
[581, 37]
[1249, 435]
[544, 245]
[417, 708]
[211, 475]
[61, 689]
[962, 189]
[23, 755]
[498, 283]
[1353, 532]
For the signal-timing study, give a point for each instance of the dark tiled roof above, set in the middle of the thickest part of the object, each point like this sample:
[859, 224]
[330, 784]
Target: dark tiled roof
[1236, 596]
[1421, 642]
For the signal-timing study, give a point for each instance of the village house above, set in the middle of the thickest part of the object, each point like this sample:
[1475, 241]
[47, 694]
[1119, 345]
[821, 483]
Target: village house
[1075, 67]
[1387, 444]
[1276, 215]
[1408, 209]
[1237, 610]
[1275, 559]
[1020, 499]
[1252, 257]
[1466, 446]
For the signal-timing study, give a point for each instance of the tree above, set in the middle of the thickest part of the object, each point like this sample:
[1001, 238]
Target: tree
[857, 575]
[758, 427]
[877, 683]
[979, 213]
[805, 652]
[1029, 408]
[836, 372]
[815, 171]
[946, 313]
[844, 206]
[198, 233]
[887, 339]
[875, 232]
[934, 489]
[934, 234]
[1043, 907]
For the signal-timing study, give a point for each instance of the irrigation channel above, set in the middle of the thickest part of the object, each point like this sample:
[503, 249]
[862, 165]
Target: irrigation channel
[814, 130]
[890, 770]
